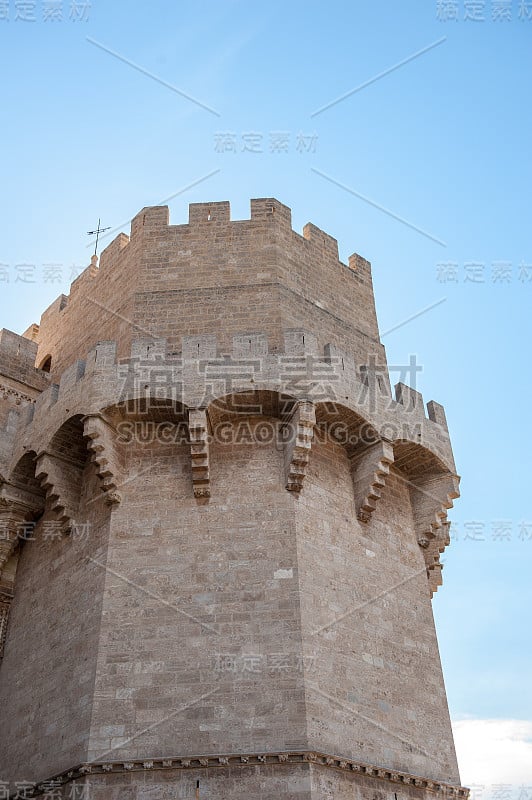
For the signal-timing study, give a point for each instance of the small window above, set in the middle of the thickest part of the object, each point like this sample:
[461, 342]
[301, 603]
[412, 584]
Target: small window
[46, 364]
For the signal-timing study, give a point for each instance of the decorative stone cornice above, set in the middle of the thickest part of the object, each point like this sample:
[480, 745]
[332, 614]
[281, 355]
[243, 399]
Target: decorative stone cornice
[299, 443]
[391, 776]
[370, 470]
[8, 392]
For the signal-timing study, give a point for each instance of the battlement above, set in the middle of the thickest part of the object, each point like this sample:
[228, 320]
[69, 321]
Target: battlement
[154, 221]
[255, 274]
[201, 369]
[17, 360]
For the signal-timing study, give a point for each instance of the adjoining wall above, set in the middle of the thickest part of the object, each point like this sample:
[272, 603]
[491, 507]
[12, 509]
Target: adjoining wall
[47, 673]
[20, 385]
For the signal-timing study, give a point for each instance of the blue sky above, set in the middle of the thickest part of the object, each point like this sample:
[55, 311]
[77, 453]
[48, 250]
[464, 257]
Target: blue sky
[439, 145]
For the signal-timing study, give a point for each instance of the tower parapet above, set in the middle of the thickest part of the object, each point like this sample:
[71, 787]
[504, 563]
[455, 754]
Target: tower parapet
[246, 523]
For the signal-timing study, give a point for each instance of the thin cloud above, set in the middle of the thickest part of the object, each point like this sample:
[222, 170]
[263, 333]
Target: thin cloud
[492, 752]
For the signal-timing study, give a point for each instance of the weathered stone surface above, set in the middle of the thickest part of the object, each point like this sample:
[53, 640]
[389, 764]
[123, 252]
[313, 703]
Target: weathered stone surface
[220, 532]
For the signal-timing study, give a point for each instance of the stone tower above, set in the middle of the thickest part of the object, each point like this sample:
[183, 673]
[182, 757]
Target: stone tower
[219, 534]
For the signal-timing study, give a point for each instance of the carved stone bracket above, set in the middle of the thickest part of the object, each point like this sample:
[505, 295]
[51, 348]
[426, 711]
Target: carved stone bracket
[102, 443]
[431, 498]
[370, 470]
[299, 444]
[17, 507]
[199, 451]
[61, 480]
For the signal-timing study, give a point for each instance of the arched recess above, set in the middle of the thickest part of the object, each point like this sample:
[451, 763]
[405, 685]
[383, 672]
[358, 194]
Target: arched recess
[369, 455]
[148, 419]
[302, 422]
[281, 419]
[60, 467]
[46, 364]
[433, 487]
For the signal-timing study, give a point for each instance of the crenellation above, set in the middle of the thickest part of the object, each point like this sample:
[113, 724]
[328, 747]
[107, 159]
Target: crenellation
[103, 356]
[17, 353]
[108, 256]
[219, 213]
[199, 347]
[250, 344]
[270, 210]
[321, 240]
[150, 219]
[149, 349]
[83, 282]
[70, 377]
[436, 413]
[49, 314]
[46, 399]
[32, 332]
[361, 267]
[300, 343]
[410, 399]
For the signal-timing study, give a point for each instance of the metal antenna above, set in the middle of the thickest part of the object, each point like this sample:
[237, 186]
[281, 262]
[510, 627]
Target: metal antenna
[97, 232]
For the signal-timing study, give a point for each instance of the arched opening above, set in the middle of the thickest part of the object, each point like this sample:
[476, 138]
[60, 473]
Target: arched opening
[46, 364]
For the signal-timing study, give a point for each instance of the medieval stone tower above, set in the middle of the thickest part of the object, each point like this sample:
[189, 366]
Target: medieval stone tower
[219, 534]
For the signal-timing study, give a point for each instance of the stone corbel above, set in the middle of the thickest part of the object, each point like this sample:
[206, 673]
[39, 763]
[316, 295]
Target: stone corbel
[435, 577]
[369, 470]
[17, 507]
[102, 444]
[199, 451]
[61, 480]
[299, 444]
[431, 499]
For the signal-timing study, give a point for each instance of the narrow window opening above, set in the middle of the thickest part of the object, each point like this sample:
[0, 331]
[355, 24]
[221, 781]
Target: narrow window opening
[46, 364]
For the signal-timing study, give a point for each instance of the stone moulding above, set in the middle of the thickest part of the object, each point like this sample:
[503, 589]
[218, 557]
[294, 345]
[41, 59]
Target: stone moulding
[235, 760]
[19, 397]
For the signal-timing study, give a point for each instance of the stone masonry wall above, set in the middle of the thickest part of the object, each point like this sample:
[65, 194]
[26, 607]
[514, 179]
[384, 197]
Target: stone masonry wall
[214, 275]
[199, 601]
